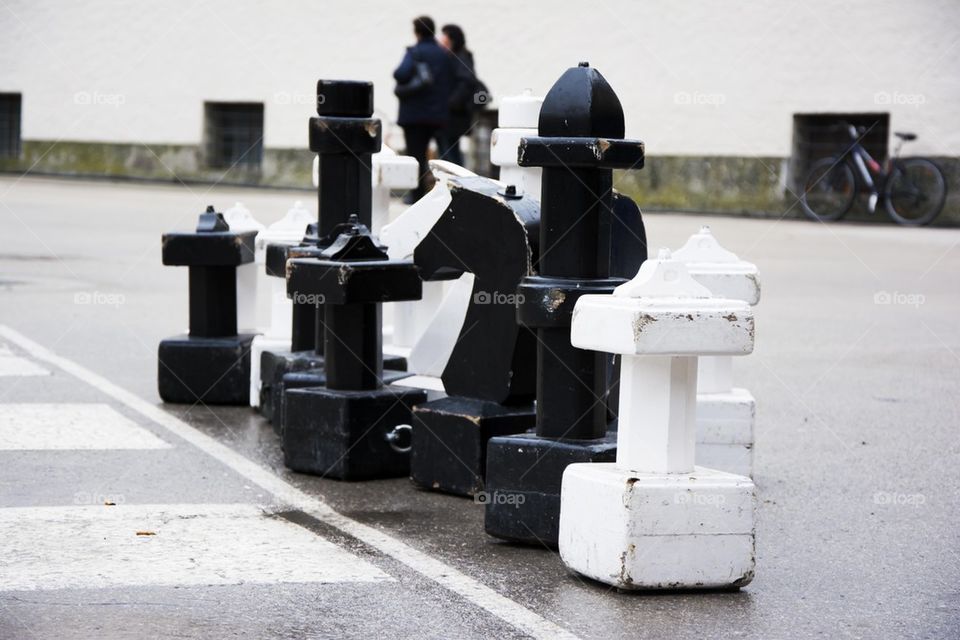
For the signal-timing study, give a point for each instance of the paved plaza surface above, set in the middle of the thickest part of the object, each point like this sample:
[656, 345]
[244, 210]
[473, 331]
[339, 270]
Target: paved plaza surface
[181, 521]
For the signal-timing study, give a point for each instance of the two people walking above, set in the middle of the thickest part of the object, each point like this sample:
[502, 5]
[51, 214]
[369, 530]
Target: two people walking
[439, 94]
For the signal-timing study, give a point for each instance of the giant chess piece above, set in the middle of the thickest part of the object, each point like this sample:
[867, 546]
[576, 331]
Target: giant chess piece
[345, 428]
[211, 364]
[345, 136]
[489, 231]
[652, 520]
[581, 140]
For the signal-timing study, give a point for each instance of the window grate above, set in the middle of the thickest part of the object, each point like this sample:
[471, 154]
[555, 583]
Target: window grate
[233, 135]
[10, 125]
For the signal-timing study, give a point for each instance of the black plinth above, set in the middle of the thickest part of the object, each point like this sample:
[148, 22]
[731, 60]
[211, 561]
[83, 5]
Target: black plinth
[316, 377]
[343, 434]
[205, 370]
[274, 365]
[450, 440]
[524, 474]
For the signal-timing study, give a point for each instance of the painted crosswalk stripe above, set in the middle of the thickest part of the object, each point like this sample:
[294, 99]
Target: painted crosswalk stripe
[467, 587]
[13, 365]
[38, 426]
[149, 545]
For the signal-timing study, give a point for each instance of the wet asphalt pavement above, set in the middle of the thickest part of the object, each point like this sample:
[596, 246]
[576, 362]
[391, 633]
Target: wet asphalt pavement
[856, 454]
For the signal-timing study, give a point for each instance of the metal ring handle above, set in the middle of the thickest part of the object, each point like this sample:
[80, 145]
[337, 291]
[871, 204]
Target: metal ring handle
[397, 435]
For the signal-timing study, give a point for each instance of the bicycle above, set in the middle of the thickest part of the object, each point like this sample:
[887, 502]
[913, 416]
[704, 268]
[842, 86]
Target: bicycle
[913, 190]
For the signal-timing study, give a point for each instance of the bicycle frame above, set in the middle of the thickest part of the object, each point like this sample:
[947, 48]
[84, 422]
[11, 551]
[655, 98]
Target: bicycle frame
[869, 171]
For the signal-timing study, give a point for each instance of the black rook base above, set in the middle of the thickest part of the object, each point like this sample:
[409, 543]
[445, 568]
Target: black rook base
[344, 434]
[206, 370]
[524, 474]
[450, 441]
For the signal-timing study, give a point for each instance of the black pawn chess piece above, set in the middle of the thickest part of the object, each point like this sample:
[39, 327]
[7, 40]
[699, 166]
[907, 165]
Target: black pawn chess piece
[211, 363]
[345, 429]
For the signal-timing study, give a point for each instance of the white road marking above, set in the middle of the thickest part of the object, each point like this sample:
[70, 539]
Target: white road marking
[95, 547]
[468, 588]
[13, 365]
[92, 426]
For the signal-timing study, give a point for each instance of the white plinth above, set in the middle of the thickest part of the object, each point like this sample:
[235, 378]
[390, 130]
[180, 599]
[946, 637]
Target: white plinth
[725, 423]
[657, 531]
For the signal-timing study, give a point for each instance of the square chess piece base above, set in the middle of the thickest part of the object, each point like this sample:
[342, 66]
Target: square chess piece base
[450, 438]
[658, 531]
[194, 370]
[274, 365]
[523, 483]
[343, 434]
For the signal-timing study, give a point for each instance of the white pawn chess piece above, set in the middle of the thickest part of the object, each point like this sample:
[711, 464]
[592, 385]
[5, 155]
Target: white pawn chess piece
[248, 283]
[725, 414]
[652, 520]
[289, 230]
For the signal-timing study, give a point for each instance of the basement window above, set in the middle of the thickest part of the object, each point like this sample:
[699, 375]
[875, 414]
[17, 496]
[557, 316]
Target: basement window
[824, 135]
[10, 125]
[233, 135]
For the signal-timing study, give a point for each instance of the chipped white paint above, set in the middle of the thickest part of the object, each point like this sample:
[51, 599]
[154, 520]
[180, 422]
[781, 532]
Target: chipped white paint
[657, 531]
[652, 520]
[289, 230]
[725, 415]
[12, 365]
[182, 544]
[518, 118]
[37, 426]
[248, 281]
[662, 311]
[431, 568]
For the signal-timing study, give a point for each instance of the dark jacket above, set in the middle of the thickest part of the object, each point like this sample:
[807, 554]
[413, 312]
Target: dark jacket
[429, 106]
[463, 99]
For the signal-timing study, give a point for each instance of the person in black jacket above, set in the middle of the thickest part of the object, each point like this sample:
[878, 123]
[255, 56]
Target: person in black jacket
[464, 98]
[424, 83]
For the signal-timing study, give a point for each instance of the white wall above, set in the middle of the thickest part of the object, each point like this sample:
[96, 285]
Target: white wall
[147, 67]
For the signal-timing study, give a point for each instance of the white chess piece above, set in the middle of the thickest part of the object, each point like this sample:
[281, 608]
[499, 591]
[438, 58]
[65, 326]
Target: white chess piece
[288, 230]
[248, 282]
[652, 520]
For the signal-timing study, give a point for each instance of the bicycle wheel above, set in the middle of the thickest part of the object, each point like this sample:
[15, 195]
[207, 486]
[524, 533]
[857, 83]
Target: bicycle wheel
[829, 190]
[915, 192]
